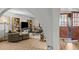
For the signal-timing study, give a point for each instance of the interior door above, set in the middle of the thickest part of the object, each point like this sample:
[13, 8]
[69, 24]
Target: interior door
[75, 31]
[63, 25]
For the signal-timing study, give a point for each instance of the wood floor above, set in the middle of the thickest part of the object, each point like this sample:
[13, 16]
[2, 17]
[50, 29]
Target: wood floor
[29, 44]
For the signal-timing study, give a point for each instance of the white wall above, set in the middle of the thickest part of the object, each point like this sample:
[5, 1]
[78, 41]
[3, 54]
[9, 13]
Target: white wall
[55, 29]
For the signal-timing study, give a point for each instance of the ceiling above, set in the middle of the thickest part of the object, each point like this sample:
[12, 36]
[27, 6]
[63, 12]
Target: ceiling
[13, 12]
[68, 10]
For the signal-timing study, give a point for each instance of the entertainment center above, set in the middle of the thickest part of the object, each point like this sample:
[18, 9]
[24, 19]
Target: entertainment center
[22, 30]
[19, 31]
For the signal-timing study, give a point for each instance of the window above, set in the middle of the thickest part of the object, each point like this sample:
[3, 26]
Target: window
[75, 19]
[63, 20]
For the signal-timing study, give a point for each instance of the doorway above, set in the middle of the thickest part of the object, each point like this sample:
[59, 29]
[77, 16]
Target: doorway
[69, 30]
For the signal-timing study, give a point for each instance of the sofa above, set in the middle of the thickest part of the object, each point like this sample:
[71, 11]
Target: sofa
[14, 37]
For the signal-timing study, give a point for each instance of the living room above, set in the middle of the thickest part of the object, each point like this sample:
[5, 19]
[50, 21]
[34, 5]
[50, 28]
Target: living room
[21, 31]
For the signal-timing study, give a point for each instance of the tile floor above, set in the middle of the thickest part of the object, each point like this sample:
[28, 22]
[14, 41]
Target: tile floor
[29, 44]
[69, 46]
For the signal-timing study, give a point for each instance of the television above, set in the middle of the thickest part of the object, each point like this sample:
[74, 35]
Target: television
[24, 24]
